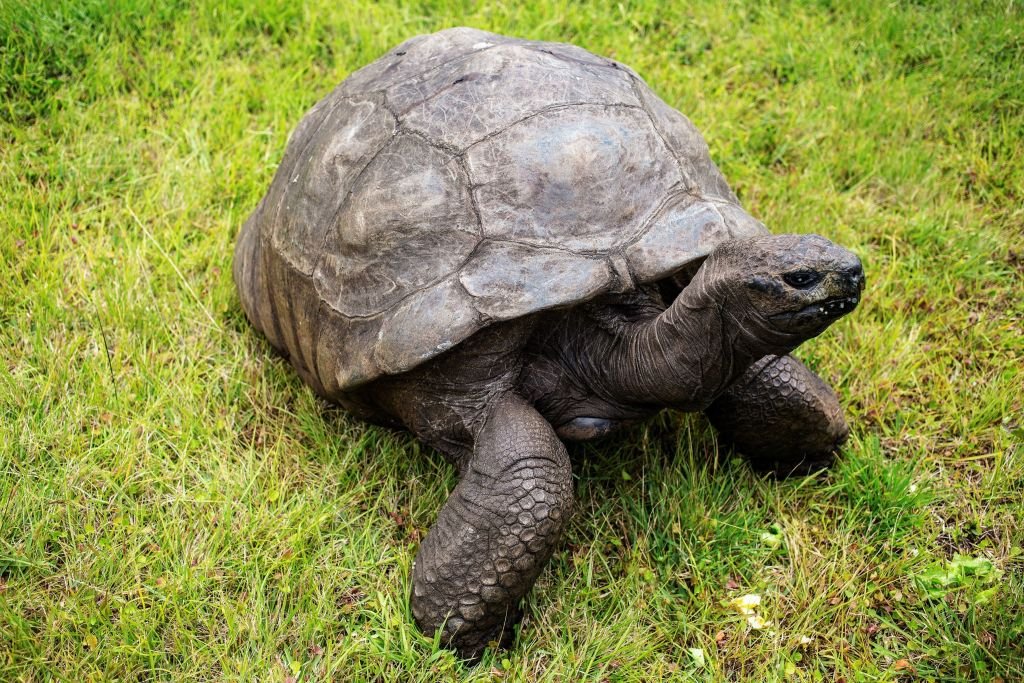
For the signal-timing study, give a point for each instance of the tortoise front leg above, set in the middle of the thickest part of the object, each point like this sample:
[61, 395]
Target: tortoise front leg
[496, 532]
[782, 417]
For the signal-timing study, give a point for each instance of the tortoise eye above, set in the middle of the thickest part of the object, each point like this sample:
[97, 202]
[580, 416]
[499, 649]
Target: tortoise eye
[801, 279]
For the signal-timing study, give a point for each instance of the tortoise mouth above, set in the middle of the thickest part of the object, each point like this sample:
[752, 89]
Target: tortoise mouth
[819, 314]
[833, 308]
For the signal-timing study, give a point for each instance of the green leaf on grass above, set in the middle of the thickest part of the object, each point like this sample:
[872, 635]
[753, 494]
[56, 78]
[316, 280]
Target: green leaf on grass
[937, 580]
[773, 538]
[985, 597]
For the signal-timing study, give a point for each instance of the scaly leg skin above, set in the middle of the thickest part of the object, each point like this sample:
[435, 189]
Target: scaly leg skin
[782, 417]
[496, 532]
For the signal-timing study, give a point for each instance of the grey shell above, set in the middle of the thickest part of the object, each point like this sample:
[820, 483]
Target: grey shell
[465, 178]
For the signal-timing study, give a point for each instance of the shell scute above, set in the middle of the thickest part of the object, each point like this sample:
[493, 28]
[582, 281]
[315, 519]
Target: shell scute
[508, 280]
[582, 178]
[408, 222]
[686, 229]
[688, 146]
[344, 356]
[427, 323]
[477, 95]
[323, 173]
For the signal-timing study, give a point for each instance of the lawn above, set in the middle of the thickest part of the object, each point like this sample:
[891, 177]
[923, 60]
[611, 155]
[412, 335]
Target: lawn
[176, 505]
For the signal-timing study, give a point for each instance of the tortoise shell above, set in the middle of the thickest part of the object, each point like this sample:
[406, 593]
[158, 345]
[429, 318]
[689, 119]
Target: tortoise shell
[466, 178]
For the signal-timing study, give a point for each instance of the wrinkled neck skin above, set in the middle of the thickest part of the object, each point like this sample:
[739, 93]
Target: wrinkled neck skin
[687, 356]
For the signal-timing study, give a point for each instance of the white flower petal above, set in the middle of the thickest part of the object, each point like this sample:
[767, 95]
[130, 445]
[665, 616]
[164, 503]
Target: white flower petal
[757, 623]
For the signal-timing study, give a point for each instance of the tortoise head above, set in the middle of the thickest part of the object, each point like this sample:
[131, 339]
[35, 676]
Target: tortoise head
[791, 285]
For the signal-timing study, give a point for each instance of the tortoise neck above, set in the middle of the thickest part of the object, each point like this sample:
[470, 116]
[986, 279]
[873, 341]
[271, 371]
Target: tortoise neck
[690, 353]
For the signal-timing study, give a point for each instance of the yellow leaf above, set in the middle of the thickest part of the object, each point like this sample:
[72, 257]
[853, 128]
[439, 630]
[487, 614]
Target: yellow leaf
[91, 642]
[745, 604]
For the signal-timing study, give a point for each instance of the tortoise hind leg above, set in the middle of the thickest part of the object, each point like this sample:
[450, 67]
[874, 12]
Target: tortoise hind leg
[496, 532]
[782, 417]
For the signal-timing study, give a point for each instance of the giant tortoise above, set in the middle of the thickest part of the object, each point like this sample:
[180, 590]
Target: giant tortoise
[501, 244]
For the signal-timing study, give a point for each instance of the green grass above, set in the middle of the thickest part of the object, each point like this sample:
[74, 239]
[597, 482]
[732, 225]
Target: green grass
[176, 505]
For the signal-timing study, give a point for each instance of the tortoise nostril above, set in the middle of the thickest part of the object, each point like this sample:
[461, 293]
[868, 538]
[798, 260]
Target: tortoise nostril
[856, 276]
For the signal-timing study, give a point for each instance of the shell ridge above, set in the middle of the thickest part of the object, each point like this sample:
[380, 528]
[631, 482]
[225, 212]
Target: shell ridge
[545, 246]
[675, 192]
[602, 63]
[420, 75]
[388, 106]
[314, 360]
[619, 265]
[484, 282]
[547, 110]
[391, 352]
[399, 301]
[661, 134]
[463, 163]
[447, 88]
[403, 129]
[426, 75]
[725, 222]
[275, 317]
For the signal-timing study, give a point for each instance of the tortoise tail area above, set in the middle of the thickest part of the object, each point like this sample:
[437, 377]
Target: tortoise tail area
[277, 299]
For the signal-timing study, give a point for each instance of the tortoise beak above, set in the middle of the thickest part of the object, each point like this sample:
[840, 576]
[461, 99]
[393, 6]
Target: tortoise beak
[845, 290]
